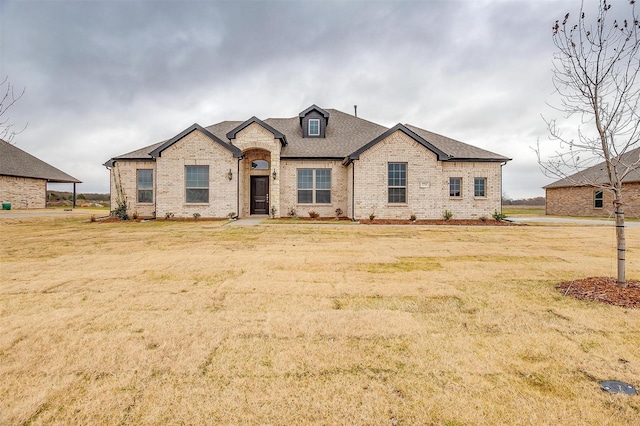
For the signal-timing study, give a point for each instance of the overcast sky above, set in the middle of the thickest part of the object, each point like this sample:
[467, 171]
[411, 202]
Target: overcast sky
[107, 77]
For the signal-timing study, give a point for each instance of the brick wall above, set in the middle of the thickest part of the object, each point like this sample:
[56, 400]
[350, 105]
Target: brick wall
[468, 206]
[258, 143]
[427, 183]
[23, 193]
[195, 149]
[578, 201]
[289, 188]
[126, 171]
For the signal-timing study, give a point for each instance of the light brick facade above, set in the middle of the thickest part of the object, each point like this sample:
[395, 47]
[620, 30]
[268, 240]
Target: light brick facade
[427, 183]
[23, 193]
[579, 201]
[356, 152]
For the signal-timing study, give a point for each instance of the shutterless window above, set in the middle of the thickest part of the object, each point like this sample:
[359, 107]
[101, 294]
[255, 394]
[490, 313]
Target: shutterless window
[598, 199]
[479, 187]
[455, 187]
[314, 186]
[145, 185]
[197, 184]
[314, 127]
[397, 182]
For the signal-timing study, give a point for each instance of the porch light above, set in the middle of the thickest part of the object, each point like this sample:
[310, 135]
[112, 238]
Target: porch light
[274, 174]
[229, 175]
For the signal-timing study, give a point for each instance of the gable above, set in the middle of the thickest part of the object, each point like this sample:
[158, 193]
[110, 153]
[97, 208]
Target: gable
[276, 134]
[158, 151]
[397, 128]
[314, 121]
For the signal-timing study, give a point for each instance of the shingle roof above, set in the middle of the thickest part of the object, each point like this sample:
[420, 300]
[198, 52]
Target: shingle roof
[345, 135]
[598, 174]
[16, 162]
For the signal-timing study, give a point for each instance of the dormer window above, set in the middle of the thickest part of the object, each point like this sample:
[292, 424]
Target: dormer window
[314, 127]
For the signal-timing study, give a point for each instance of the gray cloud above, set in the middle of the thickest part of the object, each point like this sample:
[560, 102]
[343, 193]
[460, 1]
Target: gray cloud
[107, 77]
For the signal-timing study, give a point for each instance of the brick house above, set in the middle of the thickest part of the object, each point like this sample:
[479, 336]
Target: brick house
[24, 178]
[581, 194]
[325, 161]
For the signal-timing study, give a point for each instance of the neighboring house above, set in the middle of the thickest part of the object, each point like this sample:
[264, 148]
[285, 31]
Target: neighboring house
[580, 195]
[325, 161]
[24, 178]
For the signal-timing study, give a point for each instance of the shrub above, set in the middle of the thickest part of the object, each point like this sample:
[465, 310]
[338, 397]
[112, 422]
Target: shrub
[498, 216]
[292, 212]
[483, 218]
[93, 218]
[134, 215]
[196, 215]
[372, 216]
[169, 215]
[338, 212]
[412, 218]
[447, 215]
[231, 215]
[121, 212]
[313, 214]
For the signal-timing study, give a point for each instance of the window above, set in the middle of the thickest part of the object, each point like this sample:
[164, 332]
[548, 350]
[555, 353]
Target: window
[259, 165]
[314, 186]
[455, 187]
[397, 182]
[145, 185]
[479, 187]
[598, 199]
[314, 127]
[197, 184]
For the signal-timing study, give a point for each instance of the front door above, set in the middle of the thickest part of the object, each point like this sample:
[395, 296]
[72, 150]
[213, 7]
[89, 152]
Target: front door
[259, 195]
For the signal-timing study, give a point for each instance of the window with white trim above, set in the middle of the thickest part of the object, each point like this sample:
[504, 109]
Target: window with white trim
[598, 199]
[479, 187]
[314, 127]
[197, 184]
[314, 186]
[145, 185]
[455, 187]
[397, 182]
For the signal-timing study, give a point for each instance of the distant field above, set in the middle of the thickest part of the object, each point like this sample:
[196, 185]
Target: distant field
[523, 210]
[205, 323]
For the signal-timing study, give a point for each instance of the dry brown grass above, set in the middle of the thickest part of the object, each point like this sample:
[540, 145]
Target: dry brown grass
[201, 323]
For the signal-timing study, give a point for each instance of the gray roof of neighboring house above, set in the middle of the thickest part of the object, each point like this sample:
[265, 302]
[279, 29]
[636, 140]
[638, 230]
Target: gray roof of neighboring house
[16, 162]
[598, 174]
[345, 135]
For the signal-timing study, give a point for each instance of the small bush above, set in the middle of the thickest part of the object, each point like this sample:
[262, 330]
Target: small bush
[93, 218]
[372, 216]
[412, 218]
[169, 215]
[121, 212]
[292, 212]
[483, 218]
[134, 215]
[196, 215]
[231, 215]
[498, 216]
[447, 215]
[313, 214]
[338, 212]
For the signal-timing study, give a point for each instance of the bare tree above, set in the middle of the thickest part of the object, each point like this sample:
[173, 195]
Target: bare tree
[595, 73]
[7, 100]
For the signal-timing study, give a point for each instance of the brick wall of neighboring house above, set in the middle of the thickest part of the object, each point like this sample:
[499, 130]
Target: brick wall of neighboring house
[289, 188]
[258, 143]
[23, 193]
[126, 173]
[579, 201]
[468, 206]
[195, 149]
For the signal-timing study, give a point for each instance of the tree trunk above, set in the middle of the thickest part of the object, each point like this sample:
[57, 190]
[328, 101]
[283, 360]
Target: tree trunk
[622, 244]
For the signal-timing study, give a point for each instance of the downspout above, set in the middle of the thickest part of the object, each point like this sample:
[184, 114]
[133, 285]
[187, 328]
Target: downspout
[74, 195]
[353, 192]
[238, 189]
[501, 166]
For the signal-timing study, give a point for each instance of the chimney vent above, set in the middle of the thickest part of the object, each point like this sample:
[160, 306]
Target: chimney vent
[355, 110]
